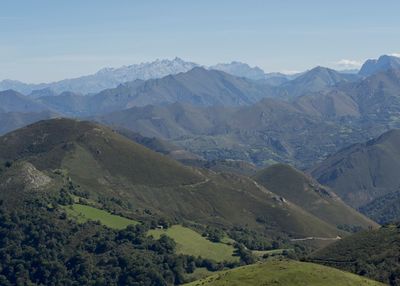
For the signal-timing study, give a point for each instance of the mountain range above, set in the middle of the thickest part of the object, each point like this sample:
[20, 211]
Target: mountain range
[92, 196]
[218, 116]
[372, 254]
[381, 64]
[119, 186]
[106, 77]
[104, 163]
[365, 175]
[112, 77]
[269, 130]
[304, 191]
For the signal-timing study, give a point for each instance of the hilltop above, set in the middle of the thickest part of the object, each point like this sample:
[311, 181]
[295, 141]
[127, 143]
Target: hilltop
[383, 63]
[305, 192]
[105, 164]
[285, 273]
[363, 172]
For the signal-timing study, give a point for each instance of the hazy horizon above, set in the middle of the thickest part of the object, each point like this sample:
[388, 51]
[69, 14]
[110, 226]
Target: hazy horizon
[44, 41]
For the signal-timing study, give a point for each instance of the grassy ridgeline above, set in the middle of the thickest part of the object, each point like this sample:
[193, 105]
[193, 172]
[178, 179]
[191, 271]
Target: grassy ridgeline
[284, 273]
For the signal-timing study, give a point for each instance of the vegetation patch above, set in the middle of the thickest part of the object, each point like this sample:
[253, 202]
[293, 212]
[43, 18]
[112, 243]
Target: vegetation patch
[83, 213]
[199, 273]
[284, 272]
[190, 242]
[261, 253]
[374, 254]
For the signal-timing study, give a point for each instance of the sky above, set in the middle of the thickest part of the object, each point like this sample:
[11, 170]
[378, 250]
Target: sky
[48, 40]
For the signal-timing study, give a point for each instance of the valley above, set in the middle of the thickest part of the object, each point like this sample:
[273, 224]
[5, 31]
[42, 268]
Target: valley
[92, 177]
[249, 121]
[173, 172]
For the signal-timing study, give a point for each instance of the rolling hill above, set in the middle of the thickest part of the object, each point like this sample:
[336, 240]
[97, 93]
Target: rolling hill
[314, 80]
[260, 133]
[263, 132]
[66, 103]
[240, 70]
[105, 164]
[302, 190]
[164, 147]
[44, 242]
[373, 254]
[218, 116]
[17, 110]
[363, 172]
[285, 273]
[12, 101]
[48, 145]
[11, 121]
[198, 87]
[384, 209]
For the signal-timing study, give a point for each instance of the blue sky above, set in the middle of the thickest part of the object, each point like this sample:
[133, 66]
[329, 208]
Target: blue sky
[46, 40]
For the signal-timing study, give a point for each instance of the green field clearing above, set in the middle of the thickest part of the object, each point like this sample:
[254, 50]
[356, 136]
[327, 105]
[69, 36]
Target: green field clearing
[261, 253]
[192, 243]
[199, 273]
[83, 213]
[284, 273]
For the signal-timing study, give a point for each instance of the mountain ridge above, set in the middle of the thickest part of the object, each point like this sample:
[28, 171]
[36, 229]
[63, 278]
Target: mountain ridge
[104, 163]
[383, 63]
[363, 172]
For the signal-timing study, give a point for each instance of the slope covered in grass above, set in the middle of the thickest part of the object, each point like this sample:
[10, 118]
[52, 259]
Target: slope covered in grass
[374, 254]
[83, 213]
[192, 243]
[47, 144]
[305, 192]
[363, 172]
[107, 165]
[285, 273]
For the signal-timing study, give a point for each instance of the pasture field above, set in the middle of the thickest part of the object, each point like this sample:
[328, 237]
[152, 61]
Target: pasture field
[83, 213]
[284, 273]
[192, 243]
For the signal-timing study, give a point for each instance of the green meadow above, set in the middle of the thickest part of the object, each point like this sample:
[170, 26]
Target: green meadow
[284, 273]
[83, 213]
[192, 243]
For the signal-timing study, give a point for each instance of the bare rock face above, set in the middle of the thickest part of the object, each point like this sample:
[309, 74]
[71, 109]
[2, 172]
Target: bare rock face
[28, 177]
[33, 178]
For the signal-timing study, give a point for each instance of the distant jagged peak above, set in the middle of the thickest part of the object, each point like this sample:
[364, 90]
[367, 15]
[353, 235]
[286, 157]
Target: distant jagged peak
[383, 63]
[240, 69]
[158, 63]
[326, 75]
[321, 70]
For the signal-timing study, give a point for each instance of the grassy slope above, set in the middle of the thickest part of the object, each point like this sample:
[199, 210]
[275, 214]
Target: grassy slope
[192, 243]
[363, 172]
[285, 273]
[83, 213]
[385, 209]
[295, 186]
[47, 143]
[375, 253]
[107, 164]
[188, 241]
[261, 253]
